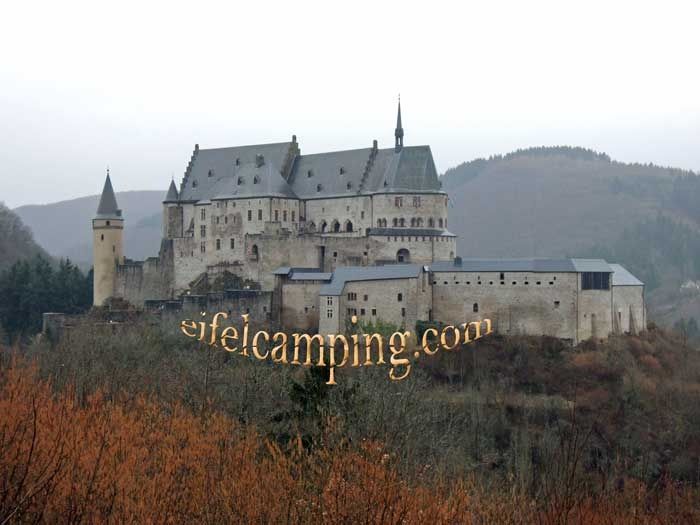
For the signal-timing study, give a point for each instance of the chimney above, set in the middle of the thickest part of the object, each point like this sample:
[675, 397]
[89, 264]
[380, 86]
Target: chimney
[374, 145]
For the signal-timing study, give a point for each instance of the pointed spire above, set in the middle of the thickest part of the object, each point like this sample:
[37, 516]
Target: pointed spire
[398, 132]
[172, 195]
[108, 208]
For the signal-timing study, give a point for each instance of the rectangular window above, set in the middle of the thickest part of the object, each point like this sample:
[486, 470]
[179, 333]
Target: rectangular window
[416, 202]
[399, 297]
[595, 281]
[203, 214]
[329, 313]
[374, 311]
[202, 247]
[329, 301]
[362, 215]
[259, 215]
[202, 231]
[284, 215]
[352, 296]
[218, 244]
[403, 312]
[398, 202]
[233, 243]
[277, 215]
[362, 311]
[250, 215]
[293, 216]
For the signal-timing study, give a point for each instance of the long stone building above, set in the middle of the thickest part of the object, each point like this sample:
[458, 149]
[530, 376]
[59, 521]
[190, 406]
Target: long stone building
[313, 239]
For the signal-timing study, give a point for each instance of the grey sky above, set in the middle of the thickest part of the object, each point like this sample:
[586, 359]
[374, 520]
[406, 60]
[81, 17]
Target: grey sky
[134, 85]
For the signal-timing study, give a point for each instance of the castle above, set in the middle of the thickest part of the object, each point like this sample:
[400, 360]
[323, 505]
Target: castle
[319, 238]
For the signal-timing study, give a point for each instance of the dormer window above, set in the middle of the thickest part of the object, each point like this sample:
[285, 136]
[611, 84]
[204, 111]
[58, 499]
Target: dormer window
[342, 170]
[318, 187]
[310, 173]
[349, 185]
[239, 181]
[194, 183]
[238, 161]
[210, 173]
[256, 179]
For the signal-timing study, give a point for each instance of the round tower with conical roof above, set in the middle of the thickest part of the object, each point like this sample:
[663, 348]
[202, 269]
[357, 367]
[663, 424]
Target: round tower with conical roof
[107, 244]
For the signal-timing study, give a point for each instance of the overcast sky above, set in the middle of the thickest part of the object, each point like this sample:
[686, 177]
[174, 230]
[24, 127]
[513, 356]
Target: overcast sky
[135, 85]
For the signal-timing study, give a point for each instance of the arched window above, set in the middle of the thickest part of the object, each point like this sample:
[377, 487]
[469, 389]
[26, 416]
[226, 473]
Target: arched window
[413, 221]
[475, 307]
[348, 226]
[440, 223]
[431, 223]
[402, 222]
[395, 222]
[254, 253]
[311, 227]
[324, 226]
[379, 223]
[419, 222]
[403, 256]
[336, 226]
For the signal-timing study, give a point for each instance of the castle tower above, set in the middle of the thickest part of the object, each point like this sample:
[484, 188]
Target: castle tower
[398, 132]
[107, 244]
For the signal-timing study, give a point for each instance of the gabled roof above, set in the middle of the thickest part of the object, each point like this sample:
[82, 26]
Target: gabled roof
[215, 173]
[345, 274]
[108, 208]
[622, 276]
[210, 169]
[253, 181]
[411, 169]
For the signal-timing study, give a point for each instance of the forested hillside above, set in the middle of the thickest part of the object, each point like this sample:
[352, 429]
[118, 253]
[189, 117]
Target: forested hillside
[16, 240]
[564, 201]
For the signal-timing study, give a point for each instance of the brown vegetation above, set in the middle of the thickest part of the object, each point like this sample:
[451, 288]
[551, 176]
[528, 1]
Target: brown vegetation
[134, 460]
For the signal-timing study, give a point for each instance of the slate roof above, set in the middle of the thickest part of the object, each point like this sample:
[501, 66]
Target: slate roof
[210, 166]
[287, 270]
[311, 276]
[346, 274]
[172, 195]
[215, 173]
[622, 276]
[108, 208]
[534, 265]
[253, 181]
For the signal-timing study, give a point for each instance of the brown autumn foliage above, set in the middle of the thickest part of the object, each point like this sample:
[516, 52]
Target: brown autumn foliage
[65, 458]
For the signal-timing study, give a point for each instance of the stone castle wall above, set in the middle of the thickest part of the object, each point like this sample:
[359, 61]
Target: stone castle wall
[514, 307]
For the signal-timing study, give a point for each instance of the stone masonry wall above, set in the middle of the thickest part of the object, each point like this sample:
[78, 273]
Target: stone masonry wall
[514, 307]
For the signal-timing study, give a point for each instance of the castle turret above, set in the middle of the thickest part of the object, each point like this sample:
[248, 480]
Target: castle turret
[107, 244]
[172, 213]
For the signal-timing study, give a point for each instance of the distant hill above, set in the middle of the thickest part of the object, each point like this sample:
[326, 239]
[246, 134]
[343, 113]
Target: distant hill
[16, 240]
[64, 228]
[563, 201]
